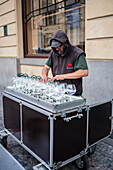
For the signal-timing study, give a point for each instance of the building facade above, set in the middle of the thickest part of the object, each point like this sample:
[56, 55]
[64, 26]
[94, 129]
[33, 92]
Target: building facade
[26, 27]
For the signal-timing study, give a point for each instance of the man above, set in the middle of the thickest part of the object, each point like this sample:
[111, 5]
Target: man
[67, 62]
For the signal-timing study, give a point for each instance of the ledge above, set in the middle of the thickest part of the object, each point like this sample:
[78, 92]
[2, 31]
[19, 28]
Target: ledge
[34, 61]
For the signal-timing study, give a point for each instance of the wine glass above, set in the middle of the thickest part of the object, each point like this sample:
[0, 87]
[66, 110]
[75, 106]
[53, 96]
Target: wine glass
[62, 88]
[70, 89]
[50, 90]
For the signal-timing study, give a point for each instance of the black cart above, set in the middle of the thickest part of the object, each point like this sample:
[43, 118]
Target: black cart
[55, 134]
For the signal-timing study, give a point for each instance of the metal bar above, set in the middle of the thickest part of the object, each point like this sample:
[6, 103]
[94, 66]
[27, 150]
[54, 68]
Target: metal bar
[99, 141]
[112, 116]
[13, 98]
[44, 112]
[47, 5]
[33, 7]
[68, 111]
[36, 156]
[87, 128]
[39, 166]
[25, 25]
[97, 104]
[70, 160]
[21, 122]
[79, 116]
[3, 134]
[39, 7]
[2, 112]
[9, 133]
[55, 5]
[51, 140]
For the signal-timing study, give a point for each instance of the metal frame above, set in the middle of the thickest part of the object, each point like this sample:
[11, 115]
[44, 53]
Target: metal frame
[41, 11]
[45, 112]
[25, 147]
[31, 13]
[2, 110]
[87, 109]
[21, 122]
[7, 132]
[51, 140]
[97, 104]
[53, 108]
[51, 118]
[112, 116]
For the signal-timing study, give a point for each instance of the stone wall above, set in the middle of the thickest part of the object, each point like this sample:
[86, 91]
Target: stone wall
[8, 70]
[99, 32]
[98, 86]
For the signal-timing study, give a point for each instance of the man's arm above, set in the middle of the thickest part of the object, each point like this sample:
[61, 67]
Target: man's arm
[75, 75]
[45, 71]
[80, 67]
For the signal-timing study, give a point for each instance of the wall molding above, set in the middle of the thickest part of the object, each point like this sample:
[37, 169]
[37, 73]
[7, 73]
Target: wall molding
[99, 17]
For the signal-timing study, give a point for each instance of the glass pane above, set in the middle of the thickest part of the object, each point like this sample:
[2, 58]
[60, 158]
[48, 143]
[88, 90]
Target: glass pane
[41, 28]
[59, 1]
[60, 4]
[35, 4]
[29, 9]
[5, 30]
[51, 8]
[70, 2]
[36, 12]
[50, 2]
[28, 6]
[44, 3]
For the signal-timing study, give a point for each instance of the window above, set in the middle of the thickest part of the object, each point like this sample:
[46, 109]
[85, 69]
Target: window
[43, 17]
[5, 30]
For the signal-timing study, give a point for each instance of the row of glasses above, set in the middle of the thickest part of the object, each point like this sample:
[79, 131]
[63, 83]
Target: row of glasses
[24, 84]
[51, 91]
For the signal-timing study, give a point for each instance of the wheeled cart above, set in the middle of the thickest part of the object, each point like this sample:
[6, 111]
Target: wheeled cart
[55, 134]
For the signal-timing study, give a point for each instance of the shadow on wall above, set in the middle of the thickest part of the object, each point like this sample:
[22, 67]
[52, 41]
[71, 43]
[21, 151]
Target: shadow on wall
[98, 86]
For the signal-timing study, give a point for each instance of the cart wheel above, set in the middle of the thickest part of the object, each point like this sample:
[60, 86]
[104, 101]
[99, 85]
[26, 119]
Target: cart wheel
[4, 141]
[91, 150]
[82, 163]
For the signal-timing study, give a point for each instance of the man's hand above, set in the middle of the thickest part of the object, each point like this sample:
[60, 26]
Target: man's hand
[58, 77]
[45, 79]
[45, 71]
[75, 75]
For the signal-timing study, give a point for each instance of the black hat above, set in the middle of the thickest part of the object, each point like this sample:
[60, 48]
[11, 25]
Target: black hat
[55, 43]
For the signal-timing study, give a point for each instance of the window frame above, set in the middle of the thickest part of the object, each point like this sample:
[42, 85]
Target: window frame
[26, 18]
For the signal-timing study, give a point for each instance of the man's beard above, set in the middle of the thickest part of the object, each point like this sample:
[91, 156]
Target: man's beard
[60, 52]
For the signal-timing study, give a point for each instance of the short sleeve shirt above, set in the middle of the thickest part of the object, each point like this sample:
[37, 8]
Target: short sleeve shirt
[80, 64]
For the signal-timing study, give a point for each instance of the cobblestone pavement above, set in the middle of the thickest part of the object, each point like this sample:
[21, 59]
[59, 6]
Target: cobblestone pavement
[102, 159]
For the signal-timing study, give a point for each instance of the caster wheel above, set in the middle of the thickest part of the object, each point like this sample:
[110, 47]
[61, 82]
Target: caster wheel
[91, 150]
[82, 163]
[4, 142]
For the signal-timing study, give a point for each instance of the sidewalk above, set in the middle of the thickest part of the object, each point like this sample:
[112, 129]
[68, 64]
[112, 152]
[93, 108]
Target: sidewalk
[102, 159]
